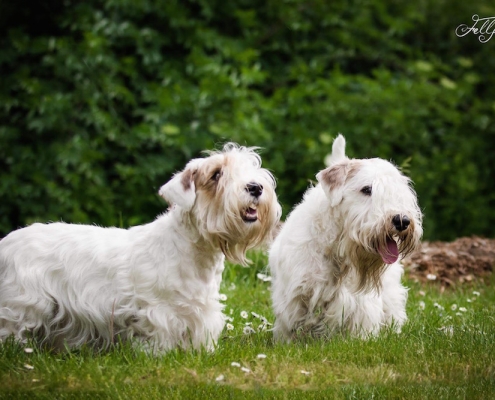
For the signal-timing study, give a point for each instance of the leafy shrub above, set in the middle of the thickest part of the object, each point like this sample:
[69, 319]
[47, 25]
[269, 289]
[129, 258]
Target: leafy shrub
[100, 102]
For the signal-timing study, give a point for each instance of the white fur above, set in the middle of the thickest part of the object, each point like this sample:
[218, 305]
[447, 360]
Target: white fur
[329, 261]
[157, 283]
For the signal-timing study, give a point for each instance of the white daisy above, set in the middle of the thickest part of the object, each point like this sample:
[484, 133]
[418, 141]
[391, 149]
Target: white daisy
[248, 330]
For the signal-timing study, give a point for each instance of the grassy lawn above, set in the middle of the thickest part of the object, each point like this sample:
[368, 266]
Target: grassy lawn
[445, 351]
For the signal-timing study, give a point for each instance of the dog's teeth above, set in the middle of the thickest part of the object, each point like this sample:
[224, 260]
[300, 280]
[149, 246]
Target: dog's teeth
[253, 207]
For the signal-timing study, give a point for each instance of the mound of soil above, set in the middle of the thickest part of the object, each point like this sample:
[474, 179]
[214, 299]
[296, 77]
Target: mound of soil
[464, 260]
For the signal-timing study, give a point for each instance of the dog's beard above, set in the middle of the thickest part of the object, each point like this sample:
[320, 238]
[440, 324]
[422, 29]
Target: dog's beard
[225, 225]
[371, 258]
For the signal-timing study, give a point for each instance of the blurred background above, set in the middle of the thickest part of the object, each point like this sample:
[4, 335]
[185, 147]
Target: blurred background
[102, 101]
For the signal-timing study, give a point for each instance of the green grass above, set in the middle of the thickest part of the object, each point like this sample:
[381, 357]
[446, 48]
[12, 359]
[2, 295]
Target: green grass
[444, 353]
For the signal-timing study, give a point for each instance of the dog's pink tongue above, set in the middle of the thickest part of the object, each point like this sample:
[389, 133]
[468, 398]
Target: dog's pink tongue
[390, 254]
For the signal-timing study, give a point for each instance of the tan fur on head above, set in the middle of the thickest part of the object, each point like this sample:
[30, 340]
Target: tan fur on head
[334, 178]
[221, 200]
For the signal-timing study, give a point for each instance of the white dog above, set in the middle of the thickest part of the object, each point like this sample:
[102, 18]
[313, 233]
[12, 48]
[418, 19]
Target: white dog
[335, 263]
[157, 283]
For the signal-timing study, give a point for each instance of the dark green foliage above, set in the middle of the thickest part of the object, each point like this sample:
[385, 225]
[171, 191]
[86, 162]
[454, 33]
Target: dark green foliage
[100, 102]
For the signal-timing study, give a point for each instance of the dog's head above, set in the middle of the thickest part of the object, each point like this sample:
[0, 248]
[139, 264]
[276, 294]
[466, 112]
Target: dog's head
[231, 200]
[378, 209]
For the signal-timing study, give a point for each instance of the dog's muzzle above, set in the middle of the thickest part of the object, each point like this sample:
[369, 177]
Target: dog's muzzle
[250, 214]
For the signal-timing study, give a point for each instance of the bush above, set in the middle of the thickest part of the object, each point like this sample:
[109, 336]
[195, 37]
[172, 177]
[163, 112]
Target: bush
[102, 101]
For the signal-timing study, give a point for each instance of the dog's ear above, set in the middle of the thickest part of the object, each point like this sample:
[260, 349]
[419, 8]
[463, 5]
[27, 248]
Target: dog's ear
[338, 152]
[181, 190]
[332, 180]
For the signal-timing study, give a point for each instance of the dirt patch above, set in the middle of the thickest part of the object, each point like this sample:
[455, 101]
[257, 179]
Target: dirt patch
[451, 263]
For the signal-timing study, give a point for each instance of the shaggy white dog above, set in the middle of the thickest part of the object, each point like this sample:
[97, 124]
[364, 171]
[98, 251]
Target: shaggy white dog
[335, 263]
[157, 283]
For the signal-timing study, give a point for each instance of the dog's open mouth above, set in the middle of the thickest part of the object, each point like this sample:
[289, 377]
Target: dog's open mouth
[250, 214]
[390, 252]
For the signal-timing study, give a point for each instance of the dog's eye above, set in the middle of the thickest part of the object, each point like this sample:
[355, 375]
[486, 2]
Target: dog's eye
[216, 175]
[366, 190]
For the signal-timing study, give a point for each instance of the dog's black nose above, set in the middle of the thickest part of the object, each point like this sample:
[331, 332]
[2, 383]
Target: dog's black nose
[254, 189]
[401, 222]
